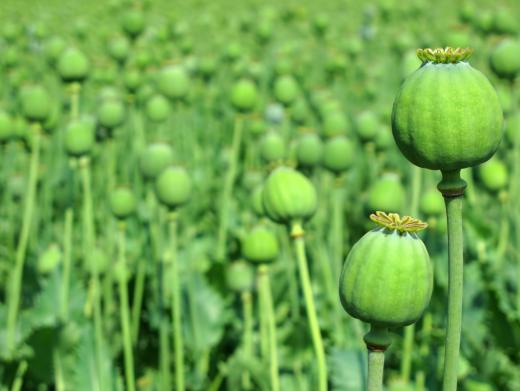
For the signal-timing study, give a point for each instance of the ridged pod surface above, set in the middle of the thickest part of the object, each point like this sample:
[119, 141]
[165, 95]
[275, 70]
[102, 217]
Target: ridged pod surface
[447, 116]
[260, 245]
[387, 278]
[289, 196]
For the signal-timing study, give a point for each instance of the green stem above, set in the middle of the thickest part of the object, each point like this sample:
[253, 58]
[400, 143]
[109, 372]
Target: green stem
[138, 298]
[297, 234]
[67, 255]
[452, 188]
[228, 189]
[18, 379]
[164, 352]
[21, 250]
[376, 365]
[409, 331]
[74, 100]
[178, 341]
[267, 311]
[247, 305]
[59, 383]
[124, 312]
[291, 276]
[91, 264]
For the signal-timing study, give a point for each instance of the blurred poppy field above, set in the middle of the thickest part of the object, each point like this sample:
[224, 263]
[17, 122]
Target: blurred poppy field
[145, 240]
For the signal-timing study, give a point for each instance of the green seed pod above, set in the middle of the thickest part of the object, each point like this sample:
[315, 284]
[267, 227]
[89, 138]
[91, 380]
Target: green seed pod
[53, 48]
[384, 139]
[244, 95]
[441, 108]
[49, 259]
[155, 158]
[73, 65]
[288, 196]
[309, 150]
[387, 278]
[367, 126]
[80, 136]
[133, 22]
[272, 147]
[260, 245]
[132, 79]
[338, 154]
[118, 48]
[157, 108]
[335, 123]
[505, 59]
[387, 192]
[240, 276]
[257, 203]
[494, 174]
[173, 82]
[173, 187]
[35, 102]
[7, 127]
[111, 113]
[122, 202]
[286, 89]
[505, 21]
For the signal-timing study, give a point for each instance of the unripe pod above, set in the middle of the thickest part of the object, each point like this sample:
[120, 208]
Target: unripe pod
[49, 259]
[335, 123]
[7, 127]
[257, 203]
[35, 102]
[157, 108]
[133, 22]
[286, 89]
[494, 175]
[155, 158]
[122, 202]
[274, 114]
[73, 65]
[505, 22]
[441, 108]
[338, 154]
[431, 203]
[505, 59]
[132, 79]
[53, 48]
[240, 276]
[367, 125]
[173, 82]
[80, 136]
[173, 187]
[118, 48]
[260, 246]
[244, 95]
[387, 279]
[309, 150]
[272, 147]
[111, 113]
[388, 193]
[288, 196]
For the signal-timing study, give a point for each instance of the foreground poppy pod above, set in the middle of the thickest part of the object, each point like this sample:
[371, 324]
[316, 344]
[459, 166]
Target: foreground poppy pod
[387, 281]
[447, 115]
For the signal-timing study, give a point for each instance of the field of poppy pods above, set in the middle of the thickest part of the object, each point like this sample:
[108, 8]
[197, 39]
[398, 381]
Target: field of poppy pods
[259, 195]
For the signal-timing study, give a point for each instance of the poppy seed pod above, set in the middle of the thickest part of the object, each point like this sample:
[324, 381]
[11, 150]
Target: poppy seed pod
[447, 116]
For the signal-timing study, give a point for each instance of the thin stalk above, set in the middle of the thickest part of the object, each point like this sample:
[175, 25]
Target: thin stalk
[75, 89]
[90, 263]
[21, 250]
[247, 341]
[59, 382]
[291, 276]
[452, 188]
[376, 365]
[138, 298]
[228, 188]
[268, 313]
[178, 340]
[409, 331]
[124, 312]
[297, 235]
[18, 379]
[67, 255]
